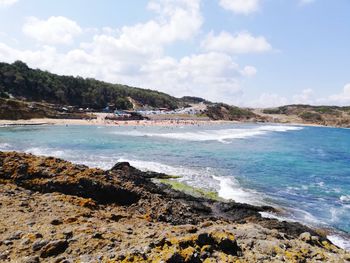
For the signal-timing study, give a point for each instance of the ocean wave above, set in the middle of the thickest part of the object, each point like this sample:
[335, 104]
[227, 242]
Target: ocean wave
[47, 152]
[345, 199]
[340, 241]
[227, 187]
[230, 189]
[278, 217]
[221, 135]
[5, 146]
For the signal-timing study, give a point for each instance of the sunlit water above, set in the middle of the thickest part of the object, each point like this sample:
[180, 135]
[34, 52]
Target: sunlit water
[304, 170]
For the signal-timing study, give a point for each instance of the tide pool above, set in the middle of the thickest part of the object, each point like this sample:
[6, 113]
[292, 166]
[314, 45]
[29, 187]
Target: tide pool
[305, 171]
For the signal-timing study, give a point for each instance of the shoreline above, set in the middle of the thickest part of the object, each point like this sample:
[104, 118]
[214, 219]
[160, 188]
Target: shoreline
[103, 122]
[152, 122]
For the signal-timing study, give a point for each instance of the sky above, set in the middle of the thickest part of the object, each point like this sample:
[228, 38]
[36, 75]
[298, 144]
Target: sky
[253, 53]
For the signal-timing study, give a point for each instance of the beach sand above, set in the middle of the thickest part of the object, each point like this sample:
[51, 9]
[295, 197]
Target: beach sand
[101, 120]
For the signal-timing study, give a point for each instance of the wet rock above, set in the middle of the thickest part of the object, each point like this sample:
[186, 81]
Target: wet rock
[123, 166]
[54, 248]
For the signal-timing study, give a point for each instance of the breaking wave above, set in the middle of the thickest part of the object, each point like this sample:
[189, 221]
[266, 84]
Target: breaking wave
[227, 187]
[222, 135]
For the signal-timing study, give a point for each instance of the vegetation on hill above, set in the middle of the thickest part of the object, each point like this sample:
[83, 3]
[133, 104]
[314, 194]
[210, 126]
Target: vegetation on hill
[194, 100]
[11, 109]
[221, 111]
[22, 82]
[323, 115]
[297, 108]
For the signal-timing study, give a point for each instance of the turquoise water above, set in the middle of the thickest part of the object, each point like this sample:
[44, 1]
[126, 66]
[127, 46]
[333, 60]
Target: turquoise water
[303, 170]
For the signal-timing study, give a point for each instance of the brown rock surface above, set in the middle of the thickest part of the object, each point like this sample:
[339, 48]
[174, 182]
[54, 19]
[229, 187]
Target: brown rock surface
[54, 211]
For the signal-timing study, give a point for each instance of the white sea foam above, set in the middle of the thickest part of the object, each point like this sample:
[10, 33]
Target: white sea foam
[340, 241]
[5, 146]
[47, 152]
[221, 135]
[227, 187]
[345, 199]
[230, 189]
[278, 217]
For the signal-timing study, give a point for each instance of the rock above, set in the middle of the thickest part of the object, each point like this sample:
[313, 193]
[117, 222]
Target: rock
[97, 236]
[15, 236]
[153, 224]
[38, 235]
[62, 260]
[56, 222]
[226, 242]
[7, 242]
[31, 223]
[116, 218]
[306, 236]
[37, 245]
[4, 255]
[54, 248]
[34, 259]
[25, 242]
[68, 234]
[121, 166]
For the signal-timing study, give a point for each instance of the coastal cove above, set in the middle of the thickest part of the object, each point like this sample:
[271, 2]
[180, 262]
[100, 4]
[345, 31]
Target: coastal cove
[287, 167]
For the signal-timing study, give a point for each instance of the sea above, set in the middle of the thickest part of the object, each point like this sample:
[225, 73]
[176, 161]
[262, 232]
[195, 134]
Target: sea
[302, 171]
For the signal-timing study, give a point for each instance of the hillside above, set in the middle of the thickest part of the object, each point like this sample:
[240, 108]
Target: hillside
[11, 109]
[221, 111]
[306, 114]
[19, 81]
[32, 93]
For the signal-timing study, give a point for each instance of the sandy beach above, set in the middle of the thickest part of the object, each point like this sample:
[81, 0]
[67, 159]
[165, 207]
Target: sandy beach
[101, 120]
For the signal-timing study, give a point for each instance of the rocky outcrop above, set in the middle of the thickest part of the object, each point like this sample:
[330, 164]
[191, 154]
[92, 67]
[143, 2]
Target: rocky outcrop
[55, 211]
[221, 111]
[306, 114]
[13, 109]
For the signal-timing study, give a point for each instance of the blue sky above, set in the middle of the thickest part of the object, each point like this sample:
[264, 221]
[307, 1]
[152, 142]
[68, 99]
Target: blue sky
[257, 53]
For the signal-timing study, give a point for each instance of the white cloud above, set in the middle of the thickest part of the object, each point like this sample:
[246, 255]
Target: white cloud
[210, 75]
[265, 100]
[4, 3]
[249, 71]
[306, 97]
[342, 98]
[135, 55]
[268, 100]
[244, 7]
[54, 30]
[214, 76]
[240, 43]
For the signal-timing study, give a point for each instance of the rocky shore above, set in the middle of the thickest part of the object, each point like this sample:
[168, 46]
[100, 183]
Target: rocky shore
[55, 211]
